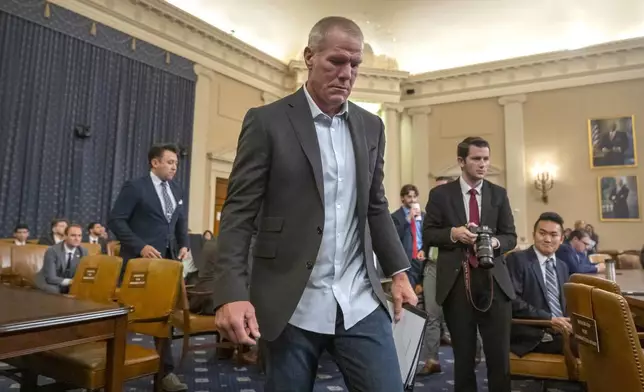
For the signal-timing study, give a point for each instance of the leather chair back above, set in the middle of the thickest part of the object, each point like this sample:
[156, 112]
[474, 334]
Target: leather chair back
[5, 260]
[114, 248]
[92, 249]
[596, 281]
[96, 278]
[151, 287]
[620, 354]
[26, 262]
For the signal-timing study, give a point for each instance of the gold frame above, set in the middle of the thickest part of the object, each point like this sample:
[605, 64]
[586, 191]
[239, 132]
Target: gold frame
[590, 142]
[599, 196]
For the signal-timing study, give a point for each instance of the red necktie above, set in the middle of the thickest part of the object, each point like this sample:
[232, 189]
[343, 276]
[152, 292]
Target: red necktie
[474, 218]
[414, 241]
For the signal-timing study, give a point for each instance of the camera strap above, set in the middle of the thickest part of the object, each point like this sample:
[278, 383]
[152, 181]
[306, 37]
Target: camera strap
[468, 287]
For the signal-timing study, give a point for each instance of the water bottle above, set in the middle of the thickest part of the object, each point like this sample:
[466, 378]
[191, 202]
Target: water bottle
[610, 270]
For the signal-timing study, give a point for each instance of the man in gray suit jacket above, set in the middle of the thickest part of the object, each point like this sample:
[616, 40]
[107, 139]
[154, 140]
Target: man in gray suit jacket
[310, 167]
[61, 261]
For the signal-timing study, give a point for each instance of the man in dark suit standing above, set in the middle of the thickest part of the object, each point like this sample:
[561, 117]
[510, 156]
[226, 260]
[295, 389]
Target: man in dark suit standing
[471, 296]
[538, 279]
[61, 261]
[149, 219]
[614, 144]
[411, 235]
[313, 163]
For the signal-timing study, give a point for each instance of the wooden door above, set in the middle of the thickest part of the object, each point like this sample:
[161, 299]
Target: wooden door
[221, 190]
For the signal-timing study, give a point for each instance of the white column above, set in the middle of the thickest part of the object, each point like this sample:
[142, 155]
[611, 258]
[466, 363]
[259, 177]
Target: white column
[420, 151]
[392, 152]
[515, 170]
[405, 146]
[199, 166]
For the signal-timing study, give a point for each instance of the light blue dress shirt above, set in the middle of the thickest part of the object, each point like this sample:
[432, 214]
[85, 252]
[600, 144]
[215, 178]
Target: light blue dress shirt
[339, 276]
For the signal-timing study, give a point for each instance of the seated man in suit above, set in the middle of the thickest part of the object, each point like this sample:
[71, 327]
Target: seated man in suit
[575, 254]
[538, 277]
[20, 234]
[56, 233]
[61, 260]
[96, 235]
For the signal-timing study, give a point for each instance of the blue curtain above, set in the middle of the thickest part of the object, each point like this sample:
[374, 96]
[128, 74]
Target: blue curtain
[50, 83]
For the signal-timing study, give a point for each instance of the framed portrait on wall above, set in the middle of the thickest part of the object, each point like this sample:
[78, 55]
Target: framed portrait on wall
[619, 199]
[612, 142]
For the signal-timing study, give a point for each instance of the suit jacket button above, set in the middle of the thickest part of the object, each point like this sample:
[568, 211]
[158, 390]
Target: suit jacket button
[319, 230]
[309, 265]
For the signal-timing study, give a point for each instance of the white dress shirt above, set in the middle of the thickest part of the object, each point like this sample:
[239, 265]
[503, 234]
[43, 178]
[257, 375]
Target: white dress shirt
[465, 189]
[72, 252]
[19, 243]
[156, 181]
[542, 262]
[93, 240]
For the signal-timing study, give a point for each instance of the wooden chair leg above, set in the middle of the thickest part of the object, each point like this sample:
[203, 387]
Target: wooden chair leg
[185, 348]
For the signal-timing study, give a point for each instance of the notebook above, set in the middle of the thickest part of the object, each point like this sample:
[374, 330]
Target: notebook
[408, 338]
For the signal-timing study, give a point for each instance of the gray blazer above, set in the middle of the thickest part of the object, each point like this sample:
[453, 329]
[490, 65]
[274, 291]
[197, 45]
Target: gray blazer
[50, 276]
[277, 177]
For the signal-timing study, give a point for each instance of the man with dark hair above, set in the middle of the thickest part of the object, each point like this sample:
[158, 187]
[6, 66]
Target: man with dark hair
[149, 219]
[313, 163]
[61, 261]
[96, 235]
[472, 296]
[538, 278]
[56, 233]
[20, 234]
[575, 254]
[408, 220]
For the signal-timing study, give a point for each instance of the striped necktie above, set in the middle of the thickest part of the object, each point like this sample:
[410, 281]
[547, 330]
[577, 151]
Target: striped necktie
[169, 208]
[552, 288]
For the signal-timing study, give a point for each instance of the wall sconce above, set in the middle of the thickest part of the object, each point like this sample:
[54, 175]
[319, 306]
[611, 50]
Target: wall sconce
[544, 180]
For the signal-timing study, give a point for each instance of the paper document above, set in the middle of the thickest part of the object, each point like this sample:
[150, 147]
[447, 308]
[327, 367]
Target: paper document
[408, 338]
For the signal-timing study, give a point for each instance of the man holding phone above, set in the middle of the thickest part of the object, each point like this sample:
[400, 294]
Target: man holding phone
[408, 220]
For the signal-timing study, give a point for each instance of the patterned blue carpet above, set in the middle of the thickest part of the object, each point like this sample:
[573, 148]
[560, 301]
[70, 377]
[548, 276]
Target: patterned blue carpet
[202, 372]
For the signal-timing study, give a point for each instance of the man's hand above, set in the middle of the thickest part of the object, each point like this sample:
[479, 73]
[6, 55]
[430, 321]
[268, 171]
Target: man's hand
[462, 234]
[183, 252]
[402, 292]
[562, 324]
[420, 256]
[601, 268]
[149, 252]
[236, 321]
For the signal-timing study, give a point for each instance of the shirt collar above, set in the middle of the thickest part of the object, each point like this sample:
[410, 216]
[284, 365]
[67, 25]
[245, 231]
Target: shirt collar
[68, 249]
[155, 180]
[92, 238]
[465, 187]
[19, 243]
[543, 258]
[315, 109]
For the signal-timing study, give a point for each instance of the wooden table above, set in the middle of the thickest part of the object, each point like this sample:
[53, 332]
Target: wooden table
[32, 321]
[631, 282]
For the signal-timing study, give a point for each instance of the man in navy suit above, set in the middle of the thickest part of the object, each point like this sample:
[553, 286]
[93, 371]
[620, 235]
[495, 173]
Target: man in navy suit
[410, 235]
[538, 277]
[575, 254]
[149, 219]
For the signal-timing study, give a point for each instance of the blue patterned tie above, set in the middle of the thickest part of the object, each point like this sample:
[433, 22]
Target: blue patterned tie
[552, 288]
[169, 209]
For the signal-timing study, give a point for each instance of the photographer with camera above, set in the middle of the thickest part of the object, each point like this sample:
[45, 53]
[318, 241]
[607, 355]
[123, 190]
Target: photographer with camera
[471, 222]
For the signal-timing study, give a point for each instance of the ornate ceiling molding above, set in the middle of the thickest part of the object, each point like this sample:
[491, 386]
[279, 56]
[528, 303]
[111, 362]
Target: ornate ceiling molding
[372, 85]
[610, 62]
[170, 28]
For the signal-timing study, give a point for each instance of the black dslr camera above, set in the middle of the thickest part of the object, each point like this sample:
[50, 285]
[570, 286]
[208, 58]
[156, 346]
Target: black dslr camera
[484, 249]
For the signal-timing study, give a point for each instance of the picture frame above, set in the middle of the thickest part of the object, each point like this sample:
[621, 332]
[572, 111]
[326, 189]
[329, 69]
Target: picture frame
[612, 142]
[618, 199]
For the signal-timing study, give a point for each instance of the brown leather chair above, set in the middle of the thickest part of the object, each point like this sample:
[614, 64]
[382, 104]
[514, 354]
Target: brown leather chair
[596, 281]
[96, 278]
[114, 248]
[151, 288]
[92, 249]
[619, 364]
[26, 262]
[5, 262]
[195, 324]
